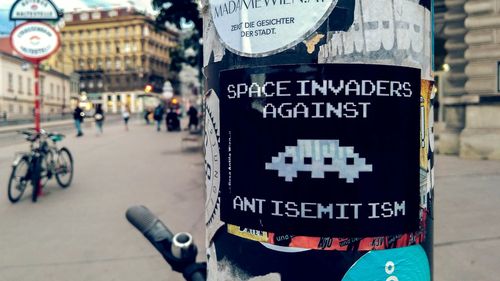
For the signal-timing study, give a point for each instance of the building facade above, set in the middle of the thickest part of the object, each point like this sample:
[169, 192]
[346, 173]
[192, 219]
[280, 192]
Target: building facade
[116, 53]
[17, 90]
[471, 96]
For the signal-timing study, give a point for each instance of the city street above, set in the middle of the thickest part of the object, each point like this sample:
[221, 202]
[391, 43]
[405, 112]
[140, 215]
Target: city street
[81, 233]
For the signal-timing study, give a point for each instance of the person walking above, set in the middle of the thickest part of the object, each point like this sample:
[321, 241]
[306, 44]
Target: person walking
[99, 118]
[172, 120]
[126, 116]
[78, 116]
[193, 118]
[158, 116]
[147, 112]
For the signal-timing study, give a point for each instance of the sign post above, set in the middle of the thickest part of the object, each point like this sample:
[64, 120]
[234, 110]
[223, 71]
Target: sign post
[37, 97]
[35, 41]
[34, 10]
[319, 140]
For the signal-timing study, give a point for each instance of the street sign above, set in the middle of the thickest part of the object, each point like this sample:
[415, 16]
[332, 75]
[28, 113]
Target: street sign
[34, 10]
[35, 41]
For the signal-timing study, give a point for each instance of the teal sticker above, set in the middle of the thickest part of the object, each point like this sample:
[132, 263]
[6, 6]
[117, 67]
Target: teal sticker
[401, 264]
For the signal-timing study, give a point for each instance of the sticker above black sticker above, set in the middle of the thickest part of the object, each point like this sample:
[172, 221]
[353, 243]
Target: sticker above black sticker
[321, 150]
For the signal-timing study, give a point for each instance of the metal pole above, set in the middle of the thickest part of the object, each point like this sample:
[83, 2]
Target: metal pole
[37, 97]
[319, 140]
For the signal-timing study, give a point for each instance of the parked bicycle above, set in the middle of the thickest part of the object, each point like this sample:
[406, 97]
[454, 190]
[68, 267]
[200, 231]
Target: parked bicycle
[44, 161]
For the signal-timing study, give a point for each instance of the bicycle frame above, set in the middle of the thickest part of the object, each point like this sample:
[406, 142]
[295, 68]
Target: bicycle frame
[42, 148]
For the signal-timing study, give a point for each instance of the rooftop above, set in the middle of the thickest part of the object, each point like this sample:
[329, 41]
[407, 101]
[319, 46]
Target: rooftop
[99, 14]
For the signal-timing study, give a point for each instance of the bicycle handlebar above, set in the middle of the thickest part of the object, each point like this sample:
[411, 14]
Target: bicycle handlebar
[178, 250]
[32, 135]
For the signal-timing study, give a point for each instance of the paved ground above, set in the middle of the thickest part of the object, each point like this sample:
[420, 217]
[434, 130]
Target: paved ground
[81, 233]
[467, 220]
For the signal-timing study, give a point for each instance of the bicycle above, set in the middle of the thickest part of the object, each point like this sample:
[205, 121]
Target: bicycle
[44, 161]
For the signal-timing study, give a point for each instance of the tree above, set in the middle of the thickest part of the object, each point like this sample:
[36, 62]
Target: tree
[177, 11]
[185, 16]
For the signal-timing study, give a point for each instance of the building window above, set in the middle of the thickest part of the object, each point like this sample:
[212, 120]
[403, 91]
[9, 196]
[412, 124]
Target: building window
[30, 87]
[84, 16]
[90, 48]
[108, 63]
[20, 84]
[99, 63]
[20, 109]
[11, 108]
[108, 47]
[80, 48]
[112, 13]
[82, 85]
[126, 47]
[68, 17]
[51, 94]
[118, 64]
[98, 47]
[128, 63]
[10, 82]
[42, 85]
[81, 63]
[91, 84]
[58, 92]
[71, 48]
[96, 15]
[99, 84]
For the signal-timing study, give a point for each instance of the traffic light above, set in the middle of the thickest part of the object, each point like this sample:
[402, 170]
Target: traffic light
[148, 88]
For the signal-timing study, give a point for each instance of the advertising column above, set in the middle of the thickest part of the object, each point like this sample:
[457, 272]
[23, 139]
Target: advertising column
[319, 140]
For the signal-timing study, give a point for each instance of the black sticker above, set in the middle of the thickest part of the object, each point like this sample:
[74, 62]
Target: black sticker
[321, 150]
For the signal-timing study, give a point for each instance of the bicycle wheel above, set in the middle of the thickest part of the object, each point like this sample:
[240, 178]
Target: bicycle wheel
[64, 167]
[19, 178]
[36, 177]
[45, 173]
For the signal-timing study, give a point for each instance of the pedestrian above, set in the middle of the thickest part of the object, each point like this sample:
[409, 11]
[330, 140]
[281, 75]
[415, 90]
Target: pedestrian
[193, 118]
[126, 116]
[172, 120]
[99, 118]
[158, 116]
[147, 112]
[78, 115]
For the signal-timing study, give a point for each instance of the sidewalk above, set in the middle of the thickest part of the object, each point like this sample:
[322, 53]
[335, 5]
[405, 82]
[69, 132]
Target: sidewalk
[13, 128]
[467, 220]
[51, 124]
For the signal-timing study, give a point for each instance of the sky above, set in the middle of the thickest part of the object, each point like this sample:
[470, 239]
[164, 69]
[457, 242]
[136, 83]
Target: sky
[71, 5]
